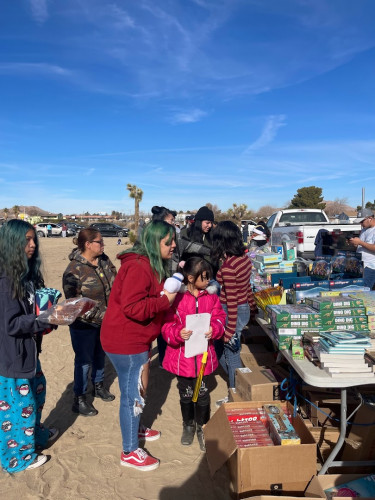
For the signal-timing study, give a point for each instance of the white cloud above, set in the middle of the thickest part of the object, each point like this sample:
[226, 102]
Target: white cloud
[39, 10]
[42, 69]
[274, 122]
[192, 116]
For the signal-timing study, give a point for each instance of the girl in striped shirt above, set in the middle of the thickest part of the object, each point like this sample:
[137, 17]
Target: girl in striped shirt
[236, 295]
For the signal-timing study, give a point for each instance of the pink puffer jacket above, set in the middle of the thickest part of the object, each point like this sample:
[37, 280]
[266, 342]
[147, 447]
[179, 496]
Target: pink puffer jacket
[175, 320]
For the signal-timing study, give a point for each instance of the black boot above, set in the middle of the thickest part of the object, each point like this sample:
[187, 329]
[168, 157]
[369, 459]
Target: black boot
[188, 431]
[101, 392]
[200, 437]
[188, 425]
[83, 407]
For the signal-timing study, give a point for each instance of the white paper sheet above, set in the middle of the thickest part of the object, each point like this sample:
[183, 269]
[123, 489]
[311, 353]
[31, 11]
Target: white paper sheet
[197, 343]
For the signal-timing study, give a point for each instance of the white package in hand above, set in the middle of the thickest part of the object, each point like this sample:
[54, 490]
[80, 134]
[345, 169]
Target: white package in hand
[199, 324]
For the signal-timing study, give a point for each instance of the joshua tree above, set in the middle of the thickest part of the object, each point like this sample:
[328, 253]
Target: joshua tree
[6, 212]
[136, 193]
[16, 210]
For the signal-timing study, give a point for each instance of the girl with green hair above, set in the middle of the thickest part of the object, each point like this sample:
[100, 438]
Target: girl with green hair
[131, 323]
[22, 383]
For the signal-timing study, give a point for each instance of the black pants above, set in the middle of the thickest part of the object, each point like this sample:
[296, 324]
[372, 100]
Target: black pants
[199, 411]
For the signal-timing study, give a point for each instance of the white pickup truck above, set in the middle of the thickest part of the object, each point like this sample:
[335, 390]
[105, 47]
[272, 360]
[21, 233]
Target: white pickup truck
[301, 225]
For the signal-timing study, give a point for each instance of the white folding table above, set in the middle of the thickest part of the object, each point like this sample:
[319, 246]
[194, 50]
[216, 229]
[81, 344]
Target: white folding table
[317, 377]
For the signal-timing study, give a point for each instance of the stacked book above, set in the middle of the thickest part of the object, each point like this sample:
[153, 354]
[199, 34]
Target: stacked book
[342, 354]
[292, 322]
[272, 263]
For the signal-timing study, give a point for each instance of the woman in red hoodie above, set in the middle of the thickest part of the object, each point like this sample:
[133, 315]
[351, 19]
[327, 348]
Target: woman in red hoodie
[132, 321]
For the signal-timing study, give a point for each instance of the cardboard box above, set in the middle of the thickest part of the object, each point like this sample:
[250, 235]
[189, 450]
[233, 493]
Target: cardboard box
[258, 384]
[320, 483]
[260, 470]
[360, 443]
[253, 359]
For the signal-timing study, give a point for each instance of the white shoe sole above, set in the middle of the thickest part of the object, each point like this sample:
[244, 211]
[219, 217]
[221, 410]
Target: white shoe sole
[140, 467]
[41, 459]
[144, 438]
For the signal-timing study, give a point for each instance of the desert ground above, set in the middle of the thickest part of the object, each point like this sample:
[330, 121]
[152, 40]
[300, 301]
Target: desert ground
[84, 461]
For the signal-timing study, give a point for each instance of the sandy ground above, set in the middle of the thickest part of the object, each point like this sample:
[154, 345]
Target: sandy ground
[85, 460]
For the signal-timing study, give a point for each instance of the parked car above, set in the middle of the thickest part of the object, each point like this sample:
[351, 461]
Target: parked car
[76, 227]
[109, 229]
[41, 229]
[69, 231]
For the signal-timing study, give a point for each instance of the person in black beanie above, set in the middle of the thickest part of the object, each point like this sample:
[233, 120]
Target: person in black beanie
[196, 240]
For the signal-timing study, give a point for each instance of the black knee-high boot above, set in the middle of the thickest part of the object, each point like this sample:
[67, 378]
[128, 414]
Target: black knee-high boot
[202, 416]
[188, 423]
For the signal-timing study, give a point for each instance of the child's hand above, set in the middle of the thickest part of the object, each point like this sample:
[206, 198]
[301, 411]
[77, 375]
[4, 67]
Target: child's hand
[208, 335]
[185, 334]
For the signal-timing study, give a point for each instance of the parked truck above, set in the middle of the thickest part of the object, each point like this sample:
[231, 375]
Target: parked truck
[301, 226]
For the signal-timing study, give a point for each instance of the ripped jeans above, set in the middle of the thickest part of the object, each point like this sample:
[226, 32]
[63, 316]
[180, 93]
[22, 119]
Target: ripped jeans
[129, 370]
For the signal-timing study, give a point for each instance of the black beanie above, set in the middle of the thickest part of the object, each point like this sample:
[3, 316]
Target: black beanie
[204, 213]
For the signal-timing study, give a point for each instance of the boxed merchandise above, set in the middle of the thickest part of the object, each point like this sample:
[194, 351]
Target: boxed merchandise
[276, 277]
[357, 282]
[344, 320]
[258, 384]
[256, 355]
[260, 470]
[358, 311]
[268, 258]
[288, 312]
[287, 281]
[281, 430]
[300, 291]
[297, 348]
[330, 303]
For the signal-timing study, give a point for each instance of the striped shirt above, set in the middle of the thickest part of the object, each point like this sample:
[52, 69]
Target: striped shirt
[234, 278]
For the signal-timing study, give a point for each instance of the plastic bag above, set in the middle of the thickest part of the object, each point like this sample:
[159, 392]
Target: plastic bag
[67, 311]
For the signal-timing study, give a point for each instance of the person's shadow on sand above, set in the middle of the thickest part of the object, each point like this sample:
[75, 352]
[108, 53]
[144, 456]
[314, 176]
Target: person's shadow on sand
[62, 417]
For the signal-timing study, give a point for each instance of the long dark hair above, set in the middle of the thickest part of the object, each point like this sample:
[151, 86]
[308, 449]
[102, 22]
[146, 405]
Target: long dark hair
[227, 241]
[89, 234]
[195, 233]
[149, 246]
[13, 259]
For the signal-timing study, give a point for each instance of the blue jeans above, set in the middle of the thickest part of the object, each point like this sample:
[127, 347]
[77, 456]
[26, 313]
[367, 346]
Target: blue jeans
[129, 370]
[88, 352]
[369, 277]
[228, 359]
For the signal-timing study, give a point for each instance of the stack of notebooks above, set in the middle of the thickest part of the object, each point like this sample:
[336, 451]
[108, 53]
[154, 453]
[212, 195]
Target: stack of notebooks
[368, 299]
[342, 354]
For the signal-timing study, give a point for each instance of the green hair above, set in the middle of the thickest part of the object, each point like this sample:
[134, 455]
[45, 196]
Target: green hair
[149, 246]
[13, 259]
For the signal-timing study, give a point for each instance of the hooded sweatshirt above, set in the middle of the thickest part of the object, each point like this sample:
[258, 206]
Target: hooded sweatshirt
[83, 279]
[136, 309]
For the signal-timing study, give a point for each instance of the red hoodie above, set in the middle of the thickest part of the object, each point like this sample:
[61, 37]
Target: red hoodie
[135, 310]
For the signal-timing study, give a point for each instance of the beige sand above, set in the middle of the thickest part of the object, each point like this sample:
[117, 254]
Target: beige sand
[85, 460]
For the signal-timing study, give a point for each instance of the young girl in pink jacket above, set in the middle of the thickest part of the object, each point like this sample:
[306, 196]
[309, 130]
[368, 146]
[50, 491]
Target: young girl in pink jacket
[197, 274]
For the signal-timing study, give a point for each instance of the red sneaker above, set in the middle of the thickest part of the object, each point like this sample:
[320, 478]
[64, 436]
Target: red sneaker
[147, 434]
[139, 459]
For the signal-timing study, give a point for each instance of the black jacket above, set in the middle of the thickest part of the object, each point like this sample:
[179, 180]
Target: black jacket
[18, 329]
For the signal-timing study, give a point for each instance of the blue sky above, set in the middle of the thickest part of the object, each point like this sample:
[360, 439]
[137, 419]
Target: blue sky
[194, 101]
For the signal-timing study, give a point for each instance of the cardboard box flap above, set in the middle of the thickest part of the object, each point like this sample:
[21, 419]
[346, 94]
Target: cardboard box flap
[320, 483]
[218, 451]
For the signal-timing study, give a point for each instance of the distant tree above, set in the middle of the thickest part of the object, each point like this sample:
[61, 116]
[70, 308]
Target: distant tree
[308, 197]
[338, 206]
[265, 211]
[60, 216]
[369, 205]
[216, 210]
[239, 212]
[6, 213]
[16, 210]
[137, 194]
